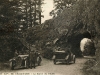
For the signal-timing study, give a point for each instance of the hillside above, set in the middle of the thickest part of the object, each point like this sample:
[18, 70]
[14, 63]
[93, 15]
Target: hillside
[68, 28]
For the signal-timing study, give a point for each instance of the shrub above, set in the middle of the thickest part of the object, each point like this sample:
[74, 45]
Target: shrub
[8, 45]
[48, 53]
[89, 66]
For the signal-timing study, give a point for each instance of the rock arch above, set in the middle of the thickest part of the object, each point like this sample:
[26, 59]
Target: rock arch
[74, 41]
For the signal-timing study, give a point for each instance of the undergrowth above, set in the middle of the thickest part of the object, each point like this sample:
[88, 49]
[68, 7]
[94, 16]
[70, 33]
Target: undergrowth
[89, 68]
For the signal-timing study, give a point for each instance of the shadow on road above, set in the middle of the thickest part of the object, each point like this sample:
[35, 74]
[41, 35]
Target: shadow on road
[59, 63]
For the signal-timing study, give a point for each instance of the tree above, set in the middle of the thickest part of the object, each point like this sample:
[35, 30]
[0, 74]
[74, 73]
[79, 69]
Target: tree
[81, 11]
[60, 5]
[30, 13]
[76, 17]
[8, 15]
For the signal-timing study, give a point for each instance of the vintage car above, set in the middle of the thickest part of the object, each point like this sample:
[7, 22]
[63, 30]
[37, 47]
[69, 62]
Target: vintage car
[22, 61]
[19, 61]
[62, 56]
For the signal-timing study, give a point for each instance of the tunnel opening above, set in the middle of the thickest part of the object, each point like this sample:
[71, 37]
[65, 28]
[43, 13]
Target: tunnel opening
[73, 41]
[86, 34]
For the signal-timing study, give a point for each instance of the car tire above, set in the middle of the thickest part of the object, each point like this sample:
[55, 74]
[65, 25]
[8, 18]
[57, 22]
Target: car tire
[27, 64]
[54, 61]
[39, 63]
[12, 68]
[74, 59]
[11, 64]
[39, 59]
[67, 62]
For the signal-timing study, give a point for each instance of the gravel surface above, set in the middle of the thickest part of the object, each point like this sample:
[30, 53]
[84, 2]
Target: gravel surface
[48, 68]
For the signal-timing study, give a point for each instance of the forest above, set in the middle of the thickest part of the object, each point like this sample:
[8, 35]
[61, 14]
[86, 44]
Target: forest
[72, 20]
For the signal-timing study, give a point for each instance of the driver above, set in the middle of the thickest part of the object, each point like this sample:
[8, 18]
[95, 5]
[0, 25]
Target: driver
[32, 58]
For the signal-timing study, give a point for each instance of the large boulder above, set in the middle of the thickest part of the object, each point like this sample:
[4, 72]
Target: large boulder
[87, 46]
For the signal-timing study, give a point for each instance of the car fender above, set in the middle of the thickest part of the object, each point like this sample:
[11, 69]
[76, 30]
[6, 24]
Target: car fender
[53, 57]
[67, 57]
[12, 62]
[73, 56]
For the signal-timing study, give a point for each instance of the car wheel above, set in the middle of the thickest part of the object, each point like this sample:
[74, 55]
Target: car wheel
[74, 59]
[67, 62]
[54, 61]
[27, 64]
[39, 61]
[12, 68]
[12, 65]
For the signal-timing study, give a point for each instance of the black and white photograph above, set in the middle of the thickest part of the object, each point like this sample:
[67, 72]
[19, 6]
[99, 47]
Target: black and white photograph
[49, 37]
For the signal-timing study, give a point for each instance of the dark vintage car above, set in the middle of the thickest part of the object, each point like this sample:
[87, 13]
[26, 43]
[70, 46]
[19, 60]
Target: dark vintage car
[62, 56]
[22, 61]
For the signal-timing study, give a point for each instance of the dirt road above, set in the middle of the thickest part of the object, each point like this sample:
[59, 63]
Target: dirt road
[48, 68]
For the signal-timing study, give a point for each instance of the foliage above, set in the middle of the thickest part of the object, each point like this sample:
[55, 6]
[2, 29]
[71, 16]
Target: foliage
[29, 14]
[81, 11]
[72, 18]
[7, 16]
[8, 19]
[44, 33]
[4, 66]
[89, 68]
[60, 5]
[16, 16]
[48, 53]
[77, 17]
[8, 45]
[19, 15]
[40, 36]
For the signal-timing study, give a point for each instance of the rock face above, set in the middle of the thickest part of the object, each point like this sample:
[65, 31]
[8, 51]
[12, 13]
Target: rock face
[87, 46]
[66, 30]
[82, 43]
[97, 53]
